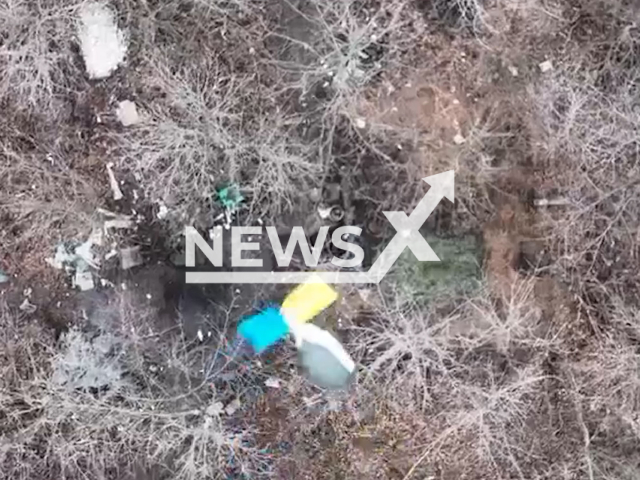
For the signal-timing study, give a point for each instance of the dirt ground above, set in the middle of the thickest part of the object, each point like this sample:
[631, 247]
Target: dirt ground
[515, 358]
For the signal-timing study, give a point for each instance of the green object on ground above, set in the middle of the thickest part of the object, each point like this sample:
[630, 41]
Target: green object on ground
[458, 272]
[230, 196]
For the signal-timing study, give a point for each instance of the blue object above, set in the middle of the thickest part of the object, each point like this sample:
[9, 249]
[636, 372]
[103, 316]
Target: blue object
[263, 329]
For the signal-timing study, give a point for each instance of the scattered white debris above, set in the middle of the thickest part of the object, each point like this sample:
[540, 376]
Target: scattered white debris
[148, 296]
[214, 409]
[272, 382]
[127, 113]
[324, 212]
[163, 211]
[83, 279]
[546, 66]
[79, 260]
[200, 335]
[361, 123]
[27, 306]
[27, 292]
[130, 257]
[121, 221]
[85, 250]
[459, 139]
[123, 286]
[106, 283]
[514, 71]
[233, 407]
[61, 257]
[115, 188]
[364, 294]
[103, 44]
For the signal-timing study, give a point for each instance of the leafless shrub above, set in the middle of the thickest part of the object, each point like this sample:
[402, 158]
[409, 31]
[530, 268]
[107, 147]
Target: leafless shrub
[592, 130]
[458, 366]
[195, 142]
[85, 411]
[36, 55]
[43, 197]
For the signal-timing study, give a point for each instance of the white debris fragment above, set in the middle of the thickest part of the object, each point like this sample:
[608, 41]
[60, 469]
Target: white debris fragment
[163, 211]
[61, 257]
[130, 257]
[361, 123]
[324, 212]
[214, 409]
[127, 113]
[547, 202]
[85, 253]
[272, 382]
[83, 279]
[103, 44]
[119, 222]
[27, 306]
[200, 335]
[513, 70]
[459, 139]
[546, 66]
[233, 407]
[364, 294]
[115, 188]
[27, 292]
[106, 283]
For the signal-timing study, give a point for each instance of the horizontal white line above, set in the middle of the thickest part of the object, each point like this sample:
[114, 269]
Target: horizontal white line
[279, 277]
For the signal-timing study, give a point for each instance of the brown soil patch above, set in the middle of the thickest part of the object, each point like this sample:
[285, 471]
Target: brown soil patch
[437, 112]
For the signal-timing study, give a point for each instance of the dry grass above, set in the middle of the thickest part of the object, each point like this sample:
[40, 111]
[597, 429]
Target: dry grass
[196, 141]
[106, 404]
[36, 54]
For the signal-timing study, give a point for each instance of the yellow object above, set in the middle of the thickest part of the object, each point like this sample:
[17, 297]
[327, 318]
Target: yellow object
[307, 300]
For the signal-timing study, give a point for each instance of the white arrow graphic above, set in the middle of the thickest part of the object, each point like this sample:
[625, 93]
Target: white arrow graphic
[408, 228]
